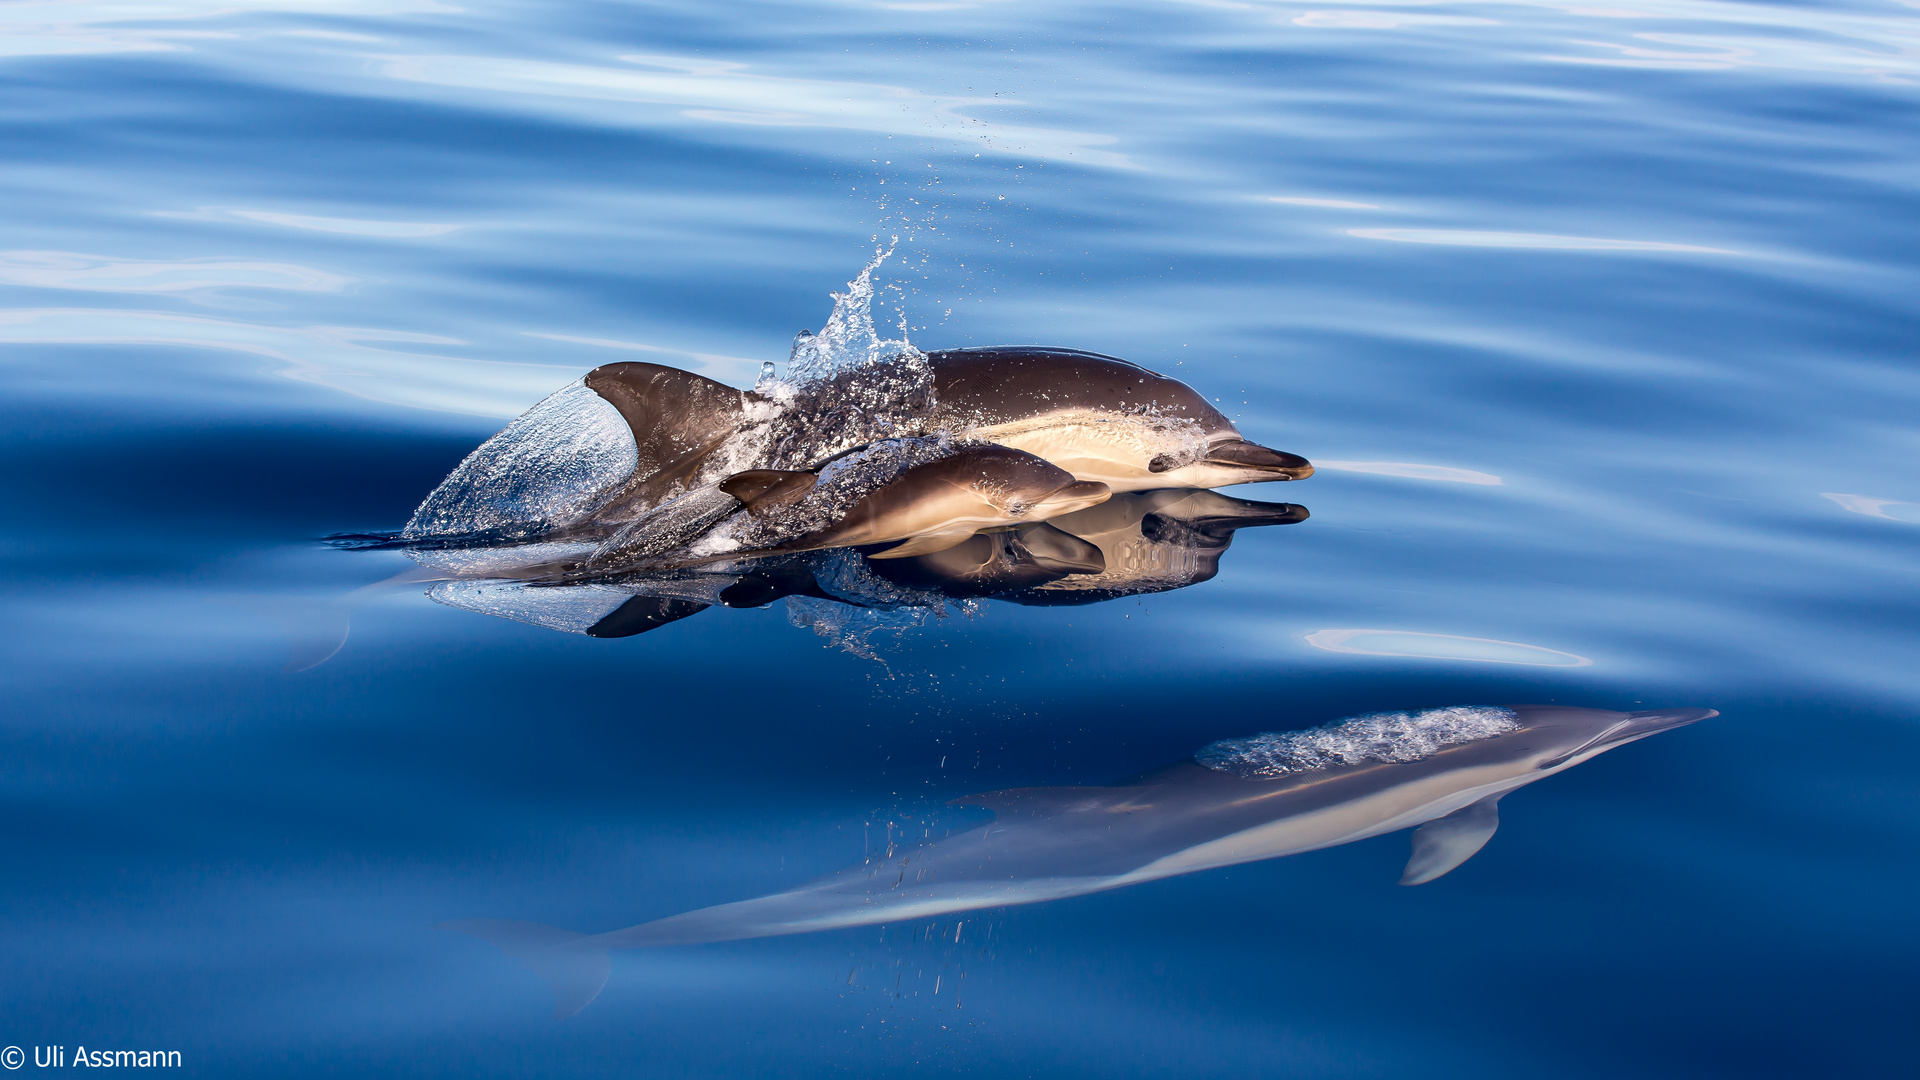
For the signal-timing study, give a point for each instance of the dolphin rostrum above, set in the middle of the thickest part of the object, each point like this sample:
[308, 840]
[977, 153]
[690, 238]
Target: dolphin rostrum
[630, 437]
[1441, 772]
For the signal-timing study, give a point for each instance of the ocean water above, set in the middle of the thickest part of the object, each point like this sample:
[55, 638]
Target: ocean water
[1599, 323]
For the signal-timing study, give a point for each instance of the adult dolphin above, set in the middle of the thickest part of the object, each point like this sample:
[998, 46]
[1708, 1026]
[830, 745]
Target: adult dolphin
[566, 467]
[1441, 772]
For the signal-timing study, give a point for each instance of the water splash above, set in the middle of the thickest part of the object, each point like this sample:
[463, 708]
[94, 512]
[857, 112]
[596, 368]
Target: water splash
[866, 604]
[852, 628]
[850, 339]
[1391, 737]
[543, 471]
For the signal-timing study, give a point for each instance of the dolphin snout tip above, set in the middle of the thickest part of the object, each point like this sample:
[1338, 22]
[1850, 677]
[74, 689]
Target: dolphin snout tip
[1667, 719]
[1248, 455]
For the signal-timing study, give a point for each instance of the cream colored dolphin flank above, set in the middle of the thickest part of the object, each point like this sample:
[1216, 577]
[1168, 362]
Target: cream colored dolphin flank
[1441, 772]
[1100, 418]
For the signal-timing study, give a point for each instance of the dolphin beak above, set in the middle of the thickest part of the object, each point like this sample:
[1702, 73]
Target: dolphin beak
[1240, 454]
[1637, 725]
[1654, 721]
[1075, 496]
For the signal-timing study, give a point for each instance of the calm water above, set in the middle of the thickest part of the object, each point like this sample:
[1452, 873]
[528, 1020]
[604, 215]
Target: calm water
[1599, 322]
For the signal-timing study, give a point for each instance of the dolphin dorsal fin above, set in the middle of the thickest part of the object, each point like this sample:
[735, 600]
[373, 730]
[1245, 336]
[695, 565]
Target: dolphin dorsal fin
[1444, 843]
[677, 419]
[1039, 801]
[670, 411]
[760, 490]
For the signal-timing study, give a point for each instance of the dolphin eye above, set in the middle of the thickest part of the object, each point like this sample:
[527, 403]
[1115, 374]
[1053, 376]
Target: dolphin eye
[1018, 507]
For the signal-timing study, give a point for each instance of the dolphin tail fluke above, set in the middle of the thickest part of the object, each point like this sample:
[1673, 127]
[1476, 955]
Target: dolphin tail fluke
[1444, 843]
[575, 968]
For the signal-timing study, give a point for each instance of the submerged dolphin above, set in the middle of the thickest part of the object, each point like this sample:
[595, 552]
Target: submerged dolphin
[1102, 419]
[1239, 800]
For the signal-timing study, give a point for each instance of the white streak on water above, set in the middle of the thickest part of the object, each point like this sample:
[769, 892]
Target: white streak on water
[336, 357]
[105, 273]
[718, 91]
[1410, 471]
[1891, 509]
[1425, 646]
[385, 230]
[1527, 241]
[1336, 204]
[1383, 20]
[399, 230]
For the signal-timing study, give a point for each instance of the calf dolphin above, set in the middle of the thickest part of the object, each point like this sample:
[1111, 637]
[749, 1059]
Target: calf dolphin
[922, 495]
[630, 437]
[1441, 772]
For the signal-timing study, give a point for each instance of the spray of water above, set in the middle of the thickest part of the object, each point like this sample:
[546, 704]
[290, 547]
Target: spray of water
[850, 340]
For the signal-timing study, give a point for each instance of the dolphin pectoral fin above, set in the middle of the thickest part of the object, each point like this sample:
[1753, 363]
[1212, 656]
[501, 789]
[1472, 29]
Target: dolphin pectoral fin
[1057, 550]
[760, 490]
[573, 968]
[765, 585]
[1444, 843]
[641, 614]
[927, 543]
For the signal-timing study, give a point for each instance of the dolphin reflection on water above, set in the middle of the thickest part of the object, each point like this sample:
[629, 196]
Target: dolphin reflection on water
[1441, 772]
[1132, 544]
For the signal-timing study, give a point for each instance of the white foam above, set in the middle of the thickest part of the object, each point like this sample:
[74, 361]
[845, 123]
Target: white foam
[1386, 737]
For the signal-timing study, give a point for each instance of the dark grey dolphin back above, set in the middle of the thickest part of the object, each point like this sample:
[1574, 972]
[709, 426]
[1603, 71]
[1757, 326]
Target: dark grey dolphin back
[1005, 383]
[677, 418]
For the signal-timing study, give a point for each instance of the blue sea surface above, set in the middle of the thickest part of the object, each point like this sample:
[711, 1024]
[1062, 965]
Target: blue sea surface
[1599, 323]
